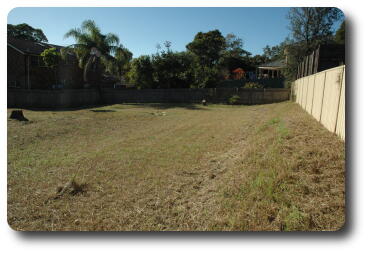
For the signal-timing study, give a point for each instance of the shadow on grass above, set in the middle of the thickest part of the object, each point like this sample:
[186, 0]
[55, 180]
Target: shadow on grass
[162, 106]
[190, 106]
[102, 110]
[63, 109]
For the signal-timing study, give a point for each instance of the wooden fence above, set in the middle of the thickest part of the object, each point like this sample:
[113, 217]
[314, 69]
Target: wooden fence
[23, 98]
[323, 96]
[323, 58]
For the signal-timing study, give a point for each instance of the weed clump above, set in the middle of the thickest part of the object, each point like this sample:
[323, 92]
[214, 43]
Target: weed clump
[233, 100]
[71, 188]
[295, 220]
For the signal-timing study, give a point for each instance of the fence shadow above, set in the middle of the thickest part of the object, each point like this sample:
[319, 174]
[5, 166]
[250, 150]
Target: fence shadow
[93, 108]
[102, 110]
[67, 108]
[190, 106]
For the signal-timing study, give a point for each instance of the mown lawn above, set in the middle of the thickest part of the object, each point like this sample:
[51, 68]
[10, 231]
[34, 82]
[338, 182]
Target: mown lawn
[175, 167]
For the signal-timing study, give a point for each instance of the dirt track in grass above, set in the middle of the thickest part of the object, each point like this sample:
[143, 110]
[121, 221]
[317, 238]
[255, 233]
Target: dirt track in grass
[175, 167]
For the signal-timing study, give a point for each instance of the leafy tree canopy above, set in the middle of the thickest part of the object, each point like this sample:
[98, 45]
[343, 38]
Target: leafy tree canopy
[340, 34]
[119, 63]
[273, 53]
[309, 26]
[89, 36]
[26, 32]
[141, 72]
[313, 25]
[51, 57]
[173, 69]
[93, 49]
[207, 47]
[234, 46]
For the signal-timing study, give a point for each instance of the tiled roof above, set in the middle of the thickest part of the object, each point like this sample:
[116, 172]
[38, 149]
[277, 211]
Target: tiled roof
[277, 63]
[31, 47]
[238, 70]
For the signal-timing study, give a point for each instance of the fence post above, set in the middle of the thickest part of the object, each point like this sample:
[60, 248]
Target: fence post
[338, 103]
[306, 95]
[272, 96]
[314, 84]
[323, 96]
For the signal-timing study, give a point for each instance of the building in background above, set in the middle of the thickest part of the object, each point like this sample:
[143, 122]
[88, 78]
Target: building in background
[238, 73]
[270, 70]
[26, 69]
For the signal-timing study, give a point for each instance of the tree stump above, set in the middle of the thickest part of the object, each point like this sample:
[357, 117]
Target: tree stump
[18, 115]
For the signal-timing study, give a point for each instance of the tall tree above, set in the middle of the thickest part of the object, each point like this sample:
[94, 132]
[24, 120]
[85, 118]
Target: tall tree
[172, 69]
[92, 49]
[234, 46]
[207, 47]
[119, 64]
[313, 25]
[309, 26]
[234, 56]
[340, 34]
[141, 72]
[258, 60]
[26, 32]
[167, 45]
[273, 53]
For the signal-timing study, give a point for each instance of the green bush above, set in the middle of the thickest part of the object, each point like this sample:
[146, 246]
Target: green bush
[233, 100]
[253, 85]
[141, 72]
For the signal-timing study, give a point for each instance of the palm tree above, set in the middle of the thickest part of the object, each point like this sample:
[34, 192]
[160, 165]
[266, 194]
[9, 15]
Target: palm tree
[119, 63]
[92, 48]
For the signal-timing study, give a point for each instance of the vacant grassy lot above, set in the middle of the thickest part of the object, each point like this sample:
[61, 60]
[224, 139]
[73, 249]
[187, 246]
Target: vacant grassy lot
[175, 167]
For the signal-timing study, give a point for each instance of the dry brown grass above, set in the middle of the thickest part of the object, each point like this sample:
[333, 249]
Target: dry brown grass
[265, 167]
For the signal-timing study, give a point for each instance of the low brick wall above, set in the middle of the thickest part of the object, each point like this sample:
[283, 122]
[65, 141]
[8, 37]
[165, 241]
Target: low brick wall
[86, 97]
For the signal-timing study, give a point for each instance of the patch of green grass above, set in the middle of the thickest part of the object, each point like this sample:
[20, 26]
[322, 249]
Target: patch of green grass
[269, 123]
[264, 181]
[295, 220]
[282, 131]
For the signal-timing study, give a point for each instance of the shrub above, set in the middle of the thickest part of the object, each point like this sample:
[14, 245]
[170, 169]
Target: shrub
[253, 85]
[234, 100]
[141, 72]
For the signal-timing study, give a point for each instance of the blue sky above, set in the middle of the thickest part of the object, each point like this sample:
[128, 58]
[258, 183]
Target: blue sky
[140, 29]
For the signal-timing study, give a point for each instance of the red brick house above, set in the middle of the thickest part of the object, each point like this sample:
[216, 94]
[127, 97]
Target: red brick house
[26, 69]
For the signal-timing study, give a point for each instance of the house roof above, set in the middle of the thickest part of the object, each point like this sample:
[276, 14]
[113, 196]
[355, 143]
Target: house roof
[30, 47]
[238, 70]
[278, 64]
